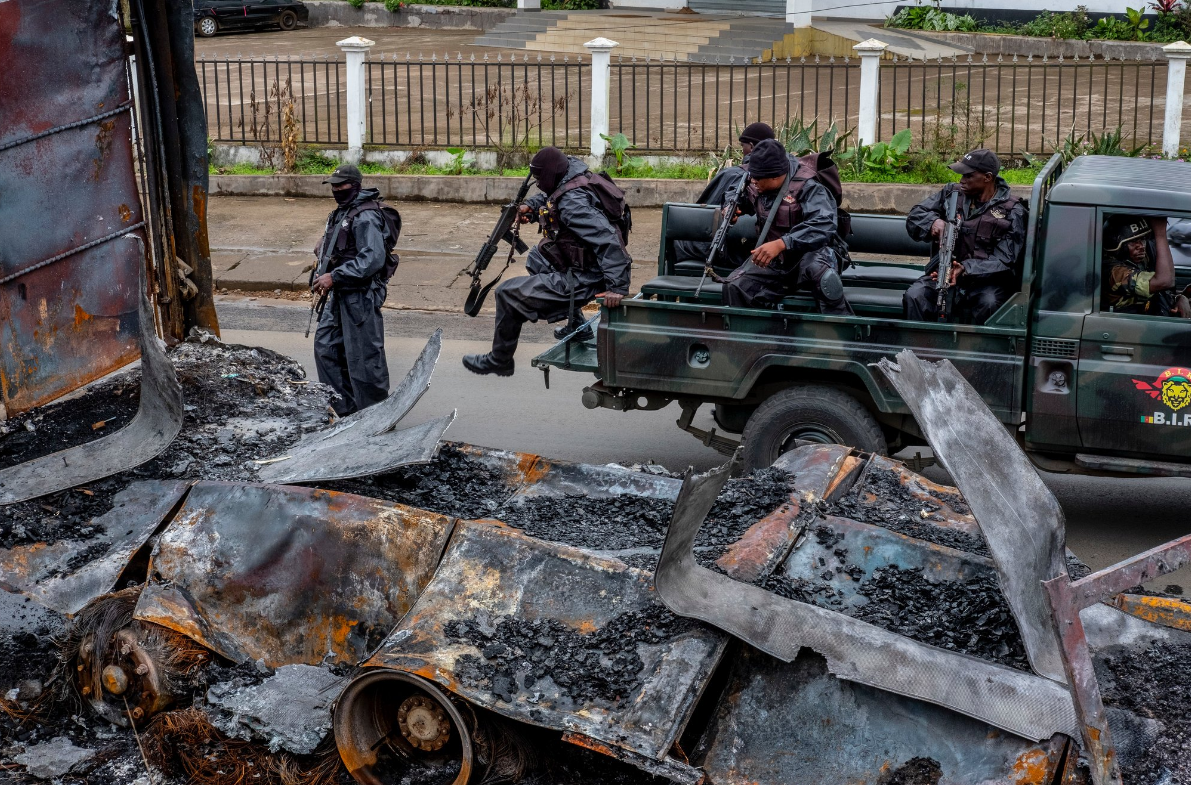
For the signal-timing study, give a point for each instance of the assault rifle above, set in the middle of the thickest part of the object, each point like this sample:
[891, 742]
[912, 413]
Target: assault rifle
[731, 200]
[946, 257]
[507, 229]
[326, 250]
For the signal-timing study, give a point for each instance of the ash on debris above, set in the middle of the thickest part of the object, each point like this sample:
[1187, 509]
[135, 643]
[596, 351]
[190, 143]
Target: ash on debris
[454, 483]
[915, 771]
[896, 508]
[242, 404]
[970, 616]
[603, 665]
[1154, 684]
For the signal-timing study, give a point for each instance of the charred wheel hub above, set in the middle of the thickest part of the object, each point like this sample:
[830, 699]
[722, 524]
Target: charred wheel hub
[423, 723]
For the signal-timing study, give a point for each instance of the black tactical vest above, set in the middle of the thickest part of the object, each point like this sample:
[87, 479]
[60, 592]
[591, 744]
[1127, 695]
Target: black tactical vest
[980, 234]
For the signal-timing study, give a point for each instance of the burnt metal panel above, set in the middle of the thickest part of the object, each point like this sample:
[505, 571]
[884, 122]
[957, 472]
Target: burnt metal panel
[1024, 704]
[68, 286]
[367, 442]
[52, 573]
[796, 724]
[290, 575]
[1020, 518]
[490, 573]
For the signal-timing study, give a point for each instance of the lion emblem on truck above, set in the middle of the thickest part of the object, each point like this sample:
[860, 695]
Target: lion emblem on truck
[1173, 386]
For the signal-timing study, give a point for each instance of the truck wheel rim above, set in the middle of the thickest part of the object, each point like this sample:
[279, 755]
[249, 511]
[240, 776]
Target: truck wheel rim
[816, 434]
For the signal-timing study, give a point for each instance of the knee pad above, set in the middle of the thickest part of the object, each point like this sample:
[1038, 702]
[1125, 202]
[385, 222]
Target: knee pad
[831, 286]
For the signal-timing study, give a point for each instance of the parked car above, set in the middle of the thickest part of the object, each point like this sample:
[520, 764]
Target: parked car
[212, 16]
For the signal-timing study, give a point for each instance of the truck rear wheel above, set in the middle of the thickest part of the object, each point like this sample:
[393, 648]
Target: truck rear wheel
[813, 413]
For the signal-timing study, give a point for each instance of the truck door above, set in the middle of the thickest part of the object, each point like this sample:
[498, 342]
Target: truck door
[1134, 380]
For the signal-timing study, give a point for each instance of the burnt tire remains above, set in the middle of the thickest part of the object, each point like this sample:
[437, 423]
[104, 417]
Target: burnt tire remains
[813, 413]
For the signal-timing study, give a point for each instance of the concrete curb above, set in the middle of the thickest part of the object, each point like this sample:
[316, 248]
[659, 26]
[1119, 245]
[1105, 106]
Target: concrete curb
[1023, 46]
[887, 198]
[337, 13]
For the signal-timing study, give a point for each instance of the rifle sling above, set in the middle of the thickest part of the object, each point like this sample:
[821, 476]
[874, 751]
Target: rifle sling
[476, 295]
[777, 202]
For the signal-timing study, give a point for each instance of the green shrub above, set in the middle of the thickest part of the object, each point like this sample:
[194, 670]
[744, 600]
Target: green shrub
[923, 18]
[883, 159]
[1073, 24]
[393, 5]
[356, 3]
[570, 5]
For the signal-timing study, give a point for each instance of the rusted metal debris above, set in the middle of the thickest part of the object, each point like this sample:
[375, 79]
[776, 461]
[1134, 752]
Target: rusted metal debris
[1019, 516]
[491, 575]
[367, 441]
[289, 575]
[157, 422]
[66, 575]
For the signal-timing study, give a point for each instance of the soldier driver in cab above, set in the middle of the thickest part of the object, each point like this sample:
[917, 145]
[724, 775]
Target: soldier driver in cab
[1139, 276]
[992, 234]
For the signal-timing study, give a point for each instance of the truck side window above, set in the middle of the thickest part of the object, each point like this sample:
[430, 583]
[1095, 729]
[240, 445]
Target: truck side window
[1138, 269]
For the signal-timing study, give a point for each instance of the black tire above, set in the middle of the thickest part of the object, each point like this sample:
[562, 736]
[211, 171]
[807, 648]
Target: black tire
[812, 412]
[288, 20]
[207, 27]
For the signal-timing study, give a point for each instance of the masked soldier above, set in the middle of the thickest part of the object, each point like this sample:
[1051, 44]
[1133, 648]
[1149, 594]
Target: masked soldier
[1140, 277]
[988, 246]
[725, 181]
[353, 270]
[584, 222]
[798, 249]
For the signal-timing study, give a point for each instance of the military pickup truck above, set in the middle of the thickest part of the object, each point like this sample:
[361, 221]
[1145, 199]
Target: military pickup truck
[1085, 389]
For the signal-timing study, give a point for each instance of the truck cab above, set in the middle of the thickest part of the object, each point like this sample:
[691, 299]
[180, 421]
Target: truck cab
[1084, 388]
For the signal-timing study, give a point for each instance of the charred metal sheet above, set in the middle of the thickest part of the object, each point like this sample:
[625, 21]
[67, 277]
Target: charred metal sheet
[1020, 518]
[814, 468]
[673, 770]
[366, 442]
[66, 575]
[559, 478]
[952, 511]
[290, 575]
[872, 548]
[158, 420]
[493, 578]
[796, 724]
[68, 297]
[1032, 707]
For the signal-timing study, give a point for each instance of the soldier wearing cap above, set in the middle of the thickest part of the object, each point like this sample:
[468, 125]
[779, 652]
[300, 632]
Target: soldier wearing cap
[1140, 277]
[717, 189]
[349, 344]
[798, 250]
[988, 248]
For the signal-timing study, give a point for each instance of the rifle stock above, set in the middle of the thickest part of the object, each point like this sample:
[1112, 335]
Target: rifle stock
[720, 239]
[506, 230]
[946, 257]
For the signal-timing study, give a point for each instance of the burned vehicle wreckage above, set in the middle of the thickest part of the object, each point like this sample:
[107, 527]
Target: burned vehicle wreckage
[206, 577]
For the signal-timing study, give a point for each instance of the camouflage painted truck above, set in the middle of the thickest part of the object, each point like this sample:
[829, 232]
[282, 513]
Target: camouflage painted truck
[1084, 389]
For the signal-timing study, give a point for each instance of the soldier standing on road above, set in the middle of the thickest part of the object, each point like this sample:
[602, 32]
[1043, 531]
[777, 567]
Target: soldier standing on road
[582, 255]
[798, 250]
[353, 270]
[723, 183]
[988, 246]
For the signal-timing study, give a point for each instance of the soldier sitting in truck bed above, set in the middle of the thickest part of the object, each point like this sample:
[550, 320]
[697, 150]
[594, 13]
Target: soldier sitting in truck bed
[1139, 276]
[988, 249]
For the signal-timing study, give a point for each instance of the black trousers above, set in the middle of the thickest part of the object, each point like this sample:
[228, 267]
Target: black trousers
[750, 286]
[349, 349]
[545, 295]
[973, 303]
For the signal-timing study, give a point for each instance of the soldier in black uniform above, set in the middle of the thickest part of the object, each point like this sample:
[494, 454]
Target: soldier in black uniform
[799, 249]
[349, 345]
[988, 246]
[714, 193]
[581, 256]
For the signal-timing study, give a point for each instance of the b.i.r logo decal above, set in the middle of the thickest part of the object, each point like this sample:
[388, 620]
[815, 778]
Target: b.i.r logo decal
[1173, 388]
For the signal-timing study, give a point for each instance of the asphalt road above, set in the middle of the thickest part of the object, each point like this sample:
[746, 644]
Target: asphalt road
[1107, 519]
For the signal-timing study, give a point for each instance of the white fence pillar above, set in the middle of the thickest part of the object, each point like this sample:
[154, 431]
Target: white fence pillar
[355, 49]
[870, 52]
[601, 83]
[529, 5]
[1176, 74]
[798, 13]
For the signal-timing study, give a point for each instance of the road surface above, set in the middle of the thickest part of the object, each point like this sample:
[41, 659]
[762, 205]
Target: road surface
[1107, 519]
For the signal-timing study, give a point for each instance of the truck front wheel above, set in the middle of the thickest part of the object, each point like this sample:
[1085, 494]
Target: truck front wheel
[813, 413]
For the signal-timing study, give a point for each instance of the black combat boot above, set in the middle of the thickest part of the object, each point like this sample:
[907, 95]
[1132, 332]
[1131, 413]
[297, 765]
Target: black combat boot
[585, 334]
[485, 364]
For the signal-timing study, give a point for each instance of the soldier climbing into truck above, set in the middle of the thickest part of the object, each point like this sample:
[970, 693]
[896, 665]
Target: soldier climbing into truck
[992, 236]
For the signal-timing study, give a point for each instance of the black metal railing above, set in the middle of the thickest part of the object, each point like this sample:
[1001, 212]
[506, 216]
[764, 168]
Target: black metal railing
[1014, 104]
[1008, 103]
